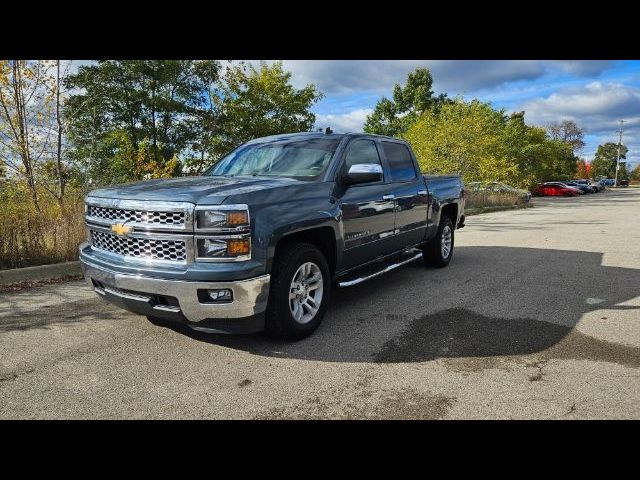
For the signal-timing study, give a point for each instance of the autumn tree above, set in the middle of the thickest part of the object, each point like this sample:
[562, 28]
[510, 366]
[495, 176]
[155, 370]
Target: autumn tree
[393, 117]
[484, 144]
[26, 129]
[583, 169]
[463, 137]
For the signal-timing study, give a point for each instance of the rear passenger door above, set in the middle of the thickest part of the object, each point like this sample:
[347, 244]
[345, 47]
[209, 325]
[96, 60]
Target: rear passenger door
[409, 192]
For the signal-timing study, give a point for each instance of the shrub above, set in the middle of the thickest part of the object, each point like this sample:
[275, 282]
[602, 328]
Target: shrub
[481, 198]
[30, 237]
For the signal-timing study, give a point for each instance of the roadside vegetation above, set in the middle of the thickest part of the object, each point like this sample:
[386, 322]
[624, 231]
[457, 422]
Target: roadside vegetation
[482, 199]
[64, 131]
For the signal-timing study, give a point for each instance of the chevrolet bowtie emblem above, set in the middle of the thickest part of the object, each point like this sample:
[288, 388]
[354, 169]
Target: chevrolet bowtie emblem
[121, 229]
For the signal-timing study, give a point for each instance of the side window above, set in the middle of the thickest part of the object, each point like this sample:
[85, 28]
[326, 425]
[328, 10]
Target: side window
[400, 162]
[361, 151]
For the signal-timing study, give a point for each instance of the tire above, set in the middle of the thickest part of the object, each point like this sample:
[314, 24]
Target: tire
[289, 266]
[433, 252]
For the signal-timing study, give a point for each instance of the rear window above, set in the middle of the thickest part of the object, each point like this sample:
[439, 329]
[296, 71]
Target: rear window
[400, 163]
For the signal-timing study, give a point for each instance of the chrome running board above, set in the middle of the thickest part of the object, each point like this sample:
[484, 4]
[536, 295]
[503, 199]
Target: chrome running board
[388, 268]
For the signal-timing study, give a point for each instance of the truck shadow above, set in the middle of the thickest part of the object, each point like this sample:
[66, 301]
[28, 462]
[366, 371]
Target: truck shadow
[491, 302]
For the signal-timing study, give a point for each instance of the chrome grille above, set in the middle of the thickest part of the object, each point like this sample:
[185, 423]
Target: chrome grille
[137, 216]
[142, 248]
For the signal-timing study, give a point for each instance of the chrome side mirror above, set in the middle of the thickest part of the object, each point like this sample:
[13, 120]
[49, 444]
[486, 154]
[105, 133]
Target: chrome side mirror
[364, 173]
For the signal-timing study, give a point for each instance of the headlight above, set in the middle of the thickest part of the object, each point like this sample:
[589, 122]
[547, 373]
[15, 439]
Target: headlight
[223, 249]
[222, 218]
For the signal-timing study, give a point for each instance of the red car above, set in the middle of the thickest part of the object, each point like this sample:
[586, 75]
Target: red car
[555, 189]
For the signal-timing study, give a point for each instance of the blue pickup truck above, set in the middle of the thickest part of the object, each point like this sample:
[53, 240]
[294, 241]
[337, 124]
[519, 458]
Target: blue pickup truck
[258, 241]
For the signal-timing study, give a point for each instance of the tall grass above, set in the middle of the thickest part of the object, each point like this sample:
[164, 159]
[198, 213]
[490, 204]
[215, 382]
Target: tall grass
[481, 198]
[30, 237]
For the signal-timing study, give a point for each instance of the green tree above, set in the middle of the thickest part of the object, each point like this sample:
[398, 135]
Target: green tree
[165, 110]
[635, 173]
[162, 102]
[394, 117]
[261, 102]
[604, 162]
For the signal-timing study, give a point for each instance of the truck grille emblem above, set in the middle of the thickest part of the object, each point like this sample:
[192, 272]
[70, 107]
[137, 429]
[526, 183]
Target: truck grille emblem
[121, 229]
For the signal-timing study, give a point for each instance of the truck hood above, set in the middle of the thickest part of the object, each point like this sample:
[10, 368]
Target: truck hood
[198, 190]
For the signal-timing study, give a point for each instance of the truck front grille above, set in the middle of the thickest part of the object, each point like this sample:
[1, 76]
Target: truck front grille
[141, 248]
[137, 216]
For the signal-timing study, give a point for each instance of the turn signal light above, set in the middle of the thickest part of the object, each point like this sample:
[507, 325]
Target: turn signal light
[238, 247]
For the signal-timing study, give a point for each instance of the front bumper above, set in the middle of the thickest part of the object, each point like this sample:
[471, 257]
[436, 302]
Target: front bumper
[179, 299]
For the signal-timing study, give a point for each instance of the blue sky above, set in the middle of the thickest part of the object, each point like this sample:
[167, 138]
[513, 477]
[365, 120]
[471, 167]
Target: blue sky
[595, 94]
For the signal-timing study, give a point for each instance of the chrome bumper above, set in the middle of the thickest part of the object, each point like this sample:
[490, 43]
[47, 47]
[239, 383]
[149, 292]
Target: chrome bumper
[249, 296]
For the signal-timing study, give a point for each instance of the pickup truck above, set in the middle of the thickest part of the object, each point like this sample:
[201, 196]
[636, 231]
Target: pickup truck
[257, 242]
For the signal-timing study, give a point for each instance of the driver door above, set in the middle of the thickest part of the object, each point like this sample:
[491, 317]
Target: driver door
[368, 214]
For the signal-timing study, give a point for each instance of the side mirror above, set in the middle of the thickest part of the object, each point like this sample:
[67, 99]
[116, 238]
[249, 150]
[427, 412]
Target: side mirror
[364, 173]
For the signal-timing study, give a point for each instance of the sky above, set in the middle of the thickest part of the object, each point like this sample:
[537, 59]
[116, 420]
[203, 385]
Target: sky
[596, 94]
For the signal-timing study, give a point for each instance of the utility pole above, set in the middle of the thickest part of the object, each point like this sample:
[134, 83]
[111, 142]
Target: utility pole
[619, 145]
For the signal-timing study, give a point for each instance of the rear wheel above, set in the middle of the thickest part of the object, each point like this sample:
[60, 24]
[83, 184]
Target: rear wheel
[438, 252]
[299, 292]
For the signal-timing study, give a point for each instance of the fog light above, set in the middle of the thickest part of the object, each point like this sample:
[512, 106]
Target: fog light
[221, 295]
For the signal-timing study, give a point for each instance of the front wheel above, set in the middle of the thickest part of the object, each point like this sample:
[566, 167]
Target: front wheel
[438, 252]
[299, 292]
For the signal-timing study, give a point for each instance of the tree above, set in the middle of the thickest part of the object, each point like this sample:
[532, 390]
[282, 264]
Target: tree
[261, 102]
[189, 112]
[463, 137]
[584, 169]
[394, 117]
[568, 132]
[635, 173]
[25, 118]
[604, 162]
[159, 101]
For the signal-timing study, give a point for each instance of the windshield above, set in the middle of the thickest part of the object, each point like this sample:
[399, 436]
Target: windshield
[305, 158]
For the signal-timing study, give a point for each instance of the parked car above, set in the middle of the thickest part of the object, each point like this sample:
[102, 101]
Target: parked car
[257, 241]
[499, 187]
[623, 183]
[608, 182]
[555, 189]
[582, 187]
[595, 186]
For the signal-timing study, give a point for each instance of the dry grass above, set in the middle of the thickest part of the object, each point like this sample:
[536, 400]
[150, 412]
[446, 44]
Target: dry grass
[29, 237]
[480, 199]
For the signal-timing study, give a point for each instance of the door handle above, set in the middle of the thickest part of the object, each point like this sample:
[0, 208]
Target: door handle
[388, 197]
[422, 192]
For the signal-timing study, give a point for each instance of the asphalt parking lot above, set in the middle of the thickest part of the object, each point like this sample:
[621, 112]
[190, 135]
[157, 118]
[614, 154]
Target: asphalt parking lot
[538, 316]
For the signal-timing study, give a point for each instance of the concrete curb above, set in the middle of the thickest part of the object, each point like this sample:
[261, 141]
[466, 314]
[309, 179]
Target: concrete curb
[41, 272]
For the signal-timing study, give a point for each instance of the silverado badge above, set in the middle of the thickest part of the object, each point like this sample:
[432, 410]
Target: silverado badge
[121, 229]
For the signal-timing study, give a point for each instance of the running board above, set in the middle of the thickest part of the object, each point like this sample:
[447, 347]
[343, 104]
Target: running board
[388, 268]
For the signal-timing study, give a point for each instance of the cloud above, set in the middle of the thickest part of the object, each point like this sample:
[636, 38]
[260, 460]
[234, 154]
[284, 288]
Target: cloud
[348, 122]
[451, 76]
[584, 68]
[596, 106]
